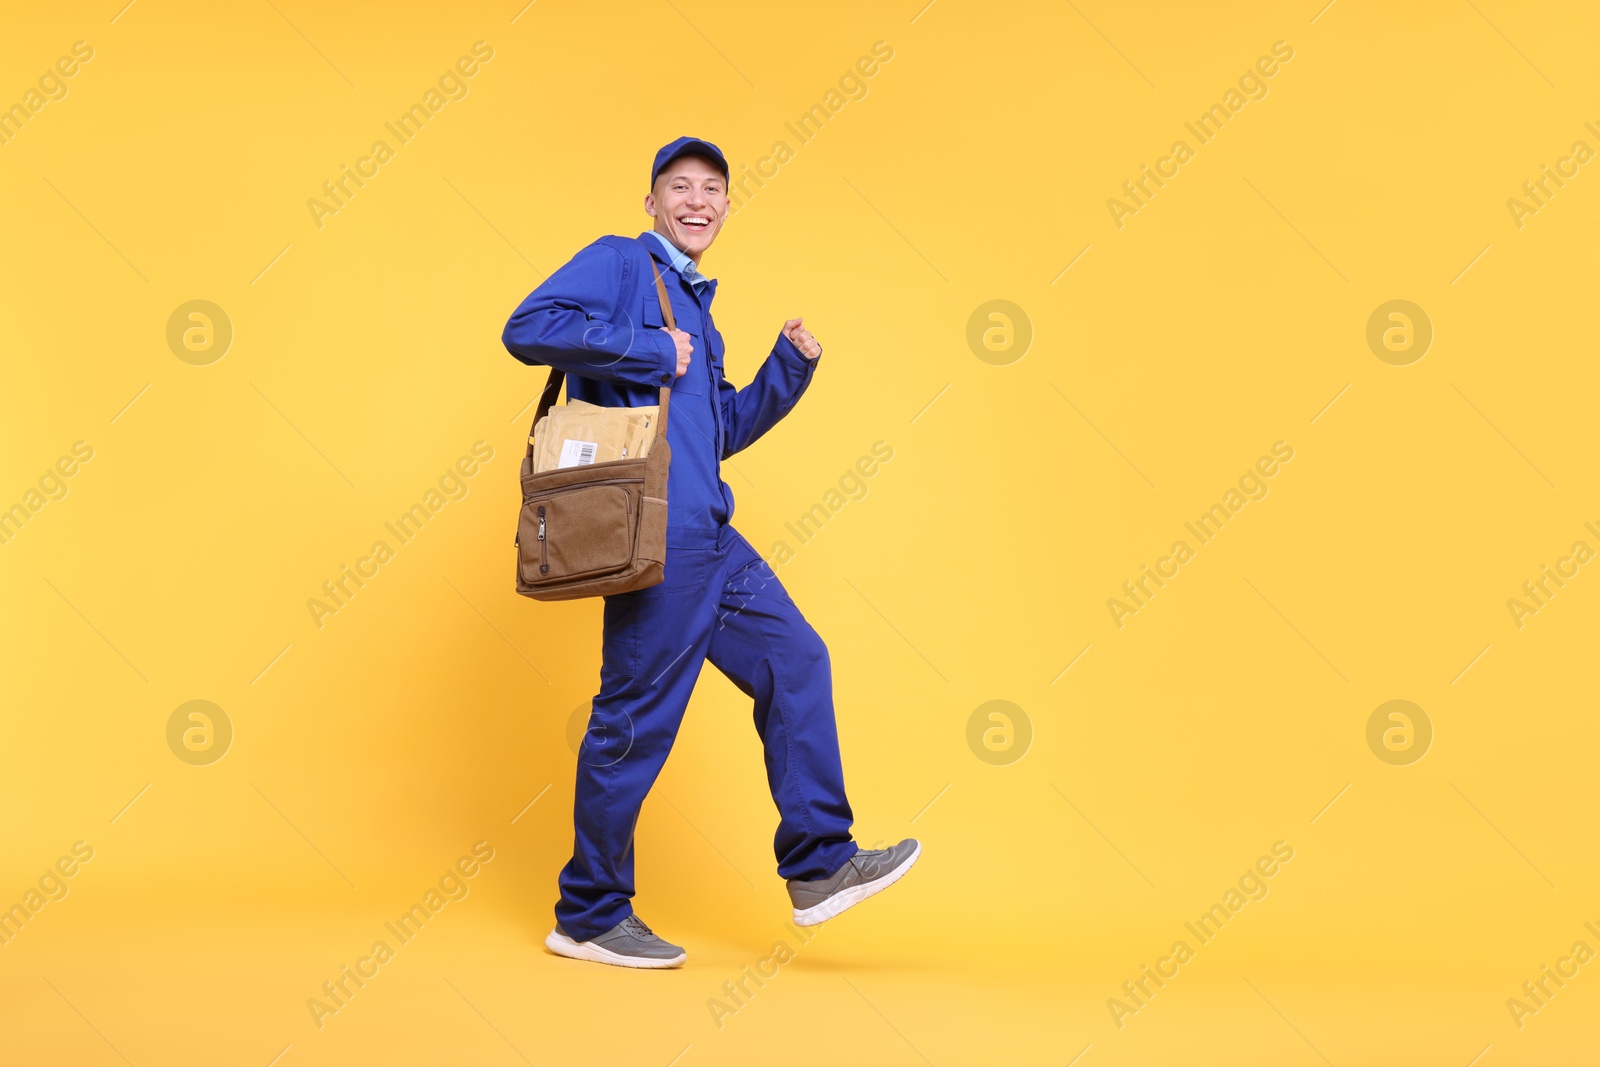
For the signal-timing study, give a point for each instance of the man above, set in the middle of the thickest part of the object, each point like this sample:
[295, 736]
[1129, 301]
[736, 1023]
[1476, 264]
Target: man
[598, 319]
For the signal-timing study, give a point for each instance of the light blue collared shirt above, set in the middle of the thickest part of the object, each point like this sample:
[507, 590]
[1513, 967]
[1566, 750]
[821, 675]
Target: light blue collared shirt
[682, 264]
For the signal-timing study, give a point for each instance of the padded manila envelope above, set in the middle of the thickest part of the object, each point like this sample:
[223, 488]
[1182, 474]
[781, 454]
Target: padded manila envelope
[578, 433]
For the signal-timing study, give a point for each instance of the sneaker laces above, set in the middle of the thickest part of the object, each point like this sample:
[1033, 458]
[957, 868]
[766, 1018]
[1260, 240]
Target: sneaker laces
[636, 925]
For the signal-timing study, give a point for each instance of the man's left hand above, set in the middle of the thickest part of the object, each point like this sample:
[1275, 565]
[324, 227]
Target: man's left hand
[801, 338]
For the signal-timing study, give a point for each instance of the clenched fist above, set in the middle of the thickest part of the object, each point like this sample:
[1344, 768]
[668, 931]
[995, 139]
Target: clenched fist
[801, 338]
[685, 347]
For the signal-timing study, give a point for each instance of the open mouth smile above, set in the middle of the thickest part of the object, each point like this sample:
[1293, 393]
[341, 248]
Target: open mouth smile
[695, 223]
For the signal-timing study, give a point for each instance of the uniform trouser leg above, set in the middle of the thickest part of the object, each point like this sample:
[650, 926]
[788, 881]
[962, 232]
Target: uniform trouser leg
[764, 645]
[654, 644]
[725, 603]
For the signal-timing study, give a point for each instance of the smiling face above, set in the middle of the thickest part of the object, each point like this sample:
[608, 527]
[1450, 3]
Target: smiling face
[689, 203]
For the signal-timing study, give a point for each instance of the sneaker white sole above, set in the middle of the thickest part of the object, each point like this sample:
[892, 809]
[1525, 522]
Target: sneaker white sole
[562, 945]
[839, 902]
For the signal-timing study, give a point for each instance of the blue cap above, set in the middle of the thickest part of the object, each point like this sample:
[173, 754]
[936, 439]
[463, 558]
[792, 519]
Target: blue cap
[688, 146]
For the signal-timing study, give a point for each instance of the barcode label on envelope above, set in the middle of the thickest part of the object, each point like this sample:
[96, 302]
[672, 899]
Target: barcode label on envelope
[576, 453]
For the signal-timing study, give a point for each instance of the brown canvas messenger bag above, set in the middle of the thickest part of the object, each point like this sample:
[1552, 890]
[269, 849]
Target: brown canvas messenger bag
[599, 528]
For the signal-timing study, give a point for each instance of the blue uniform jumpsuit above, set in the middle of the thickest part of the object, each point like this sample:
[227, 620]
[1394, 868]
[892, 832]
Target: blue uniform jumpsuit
[597, 318]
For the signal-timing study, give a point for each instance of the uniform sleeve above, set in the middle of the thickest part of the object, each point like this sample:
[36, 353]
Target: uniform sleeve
[778, 385]
[572, 322]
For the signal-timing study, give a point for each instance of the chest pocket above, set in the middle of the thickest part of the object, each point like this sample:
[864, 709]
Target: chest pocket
[693, 380]
[715, 342]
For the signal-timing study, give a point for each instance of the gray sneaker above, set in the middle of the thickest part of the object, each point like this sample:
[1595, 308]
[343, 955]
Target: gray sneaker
[630, 943]
[869, 871]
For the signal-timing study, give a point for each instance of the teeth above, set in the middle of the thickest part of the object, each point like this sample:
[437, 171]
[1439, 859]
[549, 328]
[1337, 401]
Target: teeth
[696, 220]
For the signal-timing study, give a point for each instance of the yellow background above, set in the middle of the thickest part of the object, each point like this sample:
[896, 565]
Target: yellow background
[429, 712]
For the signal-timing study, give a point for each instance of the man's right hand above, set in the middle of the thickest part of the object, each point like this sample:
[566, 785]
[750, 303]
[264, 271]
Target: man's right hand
[685, 347]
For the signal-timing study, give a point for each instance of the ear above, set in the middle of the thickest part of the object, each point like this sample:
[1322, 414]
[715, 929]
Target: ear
[650, 204]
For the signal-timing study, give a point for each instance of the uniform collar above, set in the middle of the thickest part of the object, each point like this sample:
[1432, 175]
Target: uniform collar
[672, 256]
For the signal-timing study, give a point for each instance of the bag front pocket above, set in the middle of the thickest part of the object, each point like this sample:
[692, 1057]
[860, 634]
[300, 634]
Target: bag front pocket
[581, 530]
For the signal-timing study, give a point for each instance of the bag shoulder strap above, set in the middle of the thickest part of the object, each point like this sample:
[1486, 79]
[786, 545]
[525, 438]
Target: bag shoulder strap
[552, 385]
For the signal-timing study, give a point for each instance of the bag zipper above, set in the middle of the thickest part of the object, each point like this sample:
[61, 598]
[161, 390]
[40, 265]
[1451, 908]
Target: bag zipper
[544, 550]
[585, 485]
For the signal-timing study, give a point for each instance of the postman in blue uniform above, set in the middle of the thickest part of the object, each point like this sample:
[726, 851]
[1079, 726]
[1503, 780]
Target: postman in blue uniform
[598, 319]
